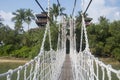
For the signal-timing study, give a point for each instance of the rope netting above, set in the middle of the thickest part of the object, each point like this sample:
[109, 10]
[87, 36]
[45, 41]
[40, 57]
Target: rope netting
[46, 66]
[84, 65]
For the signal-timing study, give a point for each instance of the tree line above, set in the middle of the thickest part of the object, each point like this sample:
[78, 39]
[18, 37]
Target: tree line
[104, 37]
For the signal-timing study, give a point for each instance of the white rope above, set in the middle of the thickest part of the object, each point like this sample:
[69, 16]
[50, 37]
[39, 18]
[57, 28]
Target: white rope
[85, 32]
[31, 70]
[48, 64]
[81, 39]
[88, 67]
[10, 72]
[48, 24]
[18, 73]
[25, 73]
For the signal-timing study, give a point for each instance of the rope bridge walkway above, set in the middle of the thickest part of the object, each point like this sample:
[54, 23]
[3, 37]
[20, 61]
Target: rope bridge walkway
[66, 72]
[56, 65]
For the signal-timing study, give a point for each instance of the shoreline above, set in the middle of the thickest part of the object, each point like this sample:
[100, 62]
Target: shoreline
[13, 60]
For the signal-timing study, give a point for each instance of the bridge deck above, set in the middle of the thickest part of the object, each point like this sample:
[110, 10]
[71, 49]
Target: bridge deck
[66, 73]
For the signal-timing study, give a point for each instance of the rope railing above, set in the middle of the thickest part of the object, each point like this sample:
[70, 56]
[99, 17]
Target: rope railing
[91, 68]
[87, 67]
[46, 66]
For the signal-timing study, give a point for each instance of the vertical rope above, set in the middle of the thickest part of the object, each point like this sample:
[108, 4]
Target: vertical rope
[109, 72]
[97, 69]
[74, 26]
[10, 74]
[58, 42]
[36, 68]
[103, 73]
[48, 24]
[25, 72]
[81, 38]
[85, 32]
[18, 75]
[18, 72]
[31, 71]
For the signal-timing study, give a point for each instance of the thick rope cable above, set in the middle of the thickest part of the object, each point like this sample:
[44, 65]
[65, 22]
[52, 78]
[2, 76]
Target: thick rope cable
[87, 7]
[74, 7]
[48, 23]
[85, 32]
[81, 38]
[58, 2]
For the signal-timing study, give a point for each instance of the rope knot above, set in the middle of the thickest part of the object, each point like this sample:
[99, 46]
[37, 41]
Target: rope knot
[27, 64]
[10, 72]
[20, 67]
[109, 67]
[32, 61]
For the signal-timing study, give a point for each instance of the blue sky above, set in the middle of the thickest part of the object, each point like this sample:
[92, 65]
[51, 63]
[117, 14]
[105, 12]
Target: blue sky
[108, 8]
[13, 5]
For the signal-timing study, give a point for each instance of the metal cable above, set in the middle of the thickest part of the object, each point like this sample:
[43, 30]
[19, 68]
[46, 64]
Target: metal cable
[87, 7]
[58, 2]
[74, 7]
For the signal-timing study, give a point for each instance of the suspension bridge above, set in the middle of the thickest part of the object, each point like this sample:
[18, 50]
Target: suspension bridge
[57, 65]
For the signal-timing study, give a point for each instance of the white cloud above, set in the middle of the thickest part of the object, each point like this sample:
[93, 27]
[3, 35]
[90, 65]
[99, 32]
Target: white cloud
[7, 16]
[117, 15]
[98, 8]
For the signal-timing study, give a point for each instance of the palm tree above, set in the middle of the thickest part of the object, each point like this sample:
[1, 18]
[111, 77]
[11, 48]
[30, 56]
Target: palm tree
[29, 17]
[18, 26]
[56, 10]
[19, 17]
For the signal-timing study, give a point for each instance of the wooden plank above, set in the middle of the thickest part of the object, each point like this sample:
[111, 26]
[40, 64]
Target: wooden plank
[66, 73]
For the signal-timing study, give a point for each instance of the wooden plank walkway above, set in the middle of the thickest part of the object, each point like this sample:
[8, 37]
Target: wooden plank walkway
[66, 73]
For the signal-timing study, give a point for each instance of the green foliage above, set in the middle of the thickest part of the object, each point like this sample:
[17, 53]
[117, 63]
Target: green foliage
[6, 49]
[21, 16]
[55, 11]
[104, 38]
[34, 51]
[54, 36]
[21, 53]
[116, 53]
[26, 45]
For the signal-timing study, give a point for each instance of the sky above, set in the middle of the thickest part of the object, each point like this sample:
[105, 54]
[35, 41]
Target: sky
[108, 8]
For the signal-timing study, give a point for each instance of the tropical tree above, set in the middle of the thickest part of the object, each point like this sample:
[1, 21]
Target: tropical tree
[29, 17]
[56, 10]
[19, 18]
